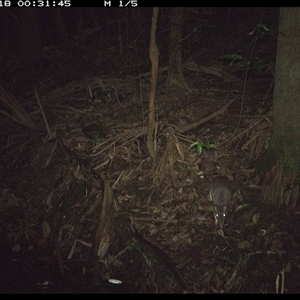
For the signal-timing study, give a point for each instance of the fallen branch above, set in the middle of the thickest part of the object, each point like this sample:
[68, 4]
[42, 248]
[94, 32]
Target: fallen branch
[206, 119]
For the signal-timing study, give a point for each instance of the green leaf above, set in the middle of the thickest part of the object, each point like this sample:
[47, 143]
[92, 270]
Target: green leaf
[232, 57]
[199, 149]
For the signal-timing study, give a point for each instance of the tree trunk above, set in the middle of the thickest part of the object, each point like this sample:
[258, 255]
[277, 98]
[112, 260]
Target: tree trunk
[154, 57]
[281, 163]
[175, 75]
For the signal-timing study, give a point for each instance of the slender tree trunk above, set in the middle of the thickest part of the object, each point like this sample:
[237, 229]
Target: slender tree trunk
[154, 56]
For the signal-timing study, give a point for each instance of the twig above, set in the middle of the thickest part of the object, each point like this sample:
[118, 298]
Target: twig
[42, 111]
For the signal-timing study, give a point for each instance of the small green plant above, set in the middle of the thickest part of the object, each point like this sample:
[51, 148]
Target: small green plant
[260, 31]
[98, 137]
[199, 146]
[259, 65]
